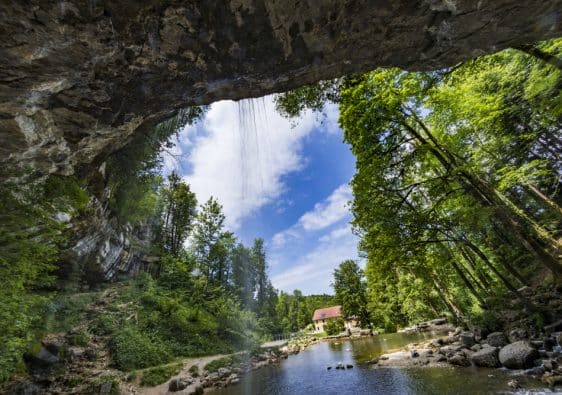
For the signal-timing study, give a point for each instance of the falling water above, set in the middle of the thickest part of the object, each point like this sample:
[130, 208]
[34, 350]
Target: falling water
[252, 134]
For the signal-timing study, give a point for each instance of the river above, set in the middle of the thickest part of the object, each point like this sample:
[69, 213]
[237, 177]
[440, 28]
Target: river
[306, 373]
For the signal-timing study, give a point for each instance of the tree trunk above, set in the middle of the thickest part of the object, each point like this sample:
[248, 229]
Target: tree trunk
[545, 199]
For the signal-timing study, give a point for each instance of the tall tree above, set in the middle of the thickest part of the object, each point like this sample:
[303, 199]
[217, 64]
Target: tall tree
[351, 291]
[179, 214]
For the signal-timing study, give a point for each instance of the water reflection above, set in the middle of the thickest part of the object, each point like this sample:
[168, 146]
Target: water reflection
[306, 373]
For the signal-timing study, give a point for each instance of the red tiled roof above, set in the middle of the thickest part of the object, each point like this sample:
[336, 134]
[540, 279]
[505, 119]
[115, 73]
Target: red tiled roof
[328, 312]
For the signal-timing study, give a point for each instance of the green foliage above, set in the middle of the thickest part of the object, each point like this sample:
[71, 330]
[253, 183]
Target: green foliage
[80, 338]
[65, 193]
[131, 349]
[179, 213]
[29, 238]
[351, 292]
[334, 326]
[133, 170]
[158, 375]
[313, 97]
[225, 362]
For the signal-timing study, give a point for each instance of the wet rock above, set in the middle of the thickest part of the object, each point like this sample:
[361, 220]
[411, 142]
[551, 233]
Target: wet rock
[467, 339]
[536, 344]
[518, 355]
[514, 384]
[535, 371]
[349, 366]
[459, 359]
[516, 335]
[437, 342]
[554, 327]
[25, 388]
[476, 347]
[496, 339]
[438, 321]
[178, 384]
[224, 372]
[549, 343]
[487, 357]
[329, 368]
[198, 390]
[440, 358]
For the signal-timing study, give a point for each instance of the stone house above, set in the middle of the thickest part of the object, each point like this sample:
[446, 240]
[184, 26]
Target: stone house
[322, 316]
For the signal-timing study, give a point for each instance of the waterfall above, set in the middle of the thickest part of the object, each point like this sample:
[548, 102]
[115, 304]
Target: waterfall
[252, 116]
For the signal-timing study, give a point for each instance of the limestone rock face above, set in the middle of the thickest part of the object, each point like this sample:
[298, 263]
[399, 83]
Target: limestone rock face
[78, 78]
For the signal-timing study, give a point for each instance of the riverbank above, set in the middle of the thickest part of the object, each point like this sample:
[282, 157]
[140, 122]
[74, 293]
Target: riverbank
[539, 358]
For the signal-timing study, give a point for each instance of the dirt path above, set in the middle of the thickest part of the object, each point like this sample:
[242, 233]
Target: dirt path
[163, 388]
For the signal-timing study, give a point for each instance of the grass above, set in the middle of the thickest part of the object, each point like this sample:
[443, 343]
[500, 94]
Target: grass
[160, 374]
[224, 362]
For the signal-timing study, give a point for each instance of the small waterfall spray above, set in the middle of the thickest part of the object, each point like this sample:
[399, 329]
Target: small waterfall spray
[251, 115]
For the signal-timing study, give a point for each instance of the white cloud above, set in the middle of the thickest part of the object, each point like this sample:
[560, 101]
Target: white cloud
[313, 273]
[328, 212]
[245, 152]
[324, 214]
[336, 234]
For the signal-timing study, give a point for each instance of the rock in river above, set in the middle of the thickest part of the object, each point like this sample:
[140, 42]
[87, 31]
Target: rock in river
[496, 339]
[486, 357]
[518, 355]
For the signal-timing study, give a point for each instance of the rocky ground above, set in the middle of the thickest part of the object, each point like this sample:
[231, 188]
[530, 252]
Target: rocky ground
[529, 345]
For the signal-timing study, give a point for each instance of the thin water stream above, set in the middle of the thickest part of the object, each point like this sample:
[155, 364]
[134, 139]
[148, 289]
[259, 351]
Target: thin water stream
[306, 373]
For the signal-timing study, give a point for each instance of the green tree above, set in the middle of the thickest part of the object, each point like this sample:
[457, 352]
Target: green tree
[179, 214]
[351, 291]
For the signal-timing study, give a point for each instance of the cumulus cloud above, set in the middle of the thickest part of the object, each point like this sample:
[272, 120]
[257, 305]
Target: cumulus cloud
[241, 152]
[324, 214]
[336, 234]
[313, 272]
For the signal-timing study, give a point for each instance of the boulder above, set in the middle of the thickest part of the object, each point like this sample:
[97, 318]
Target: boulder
[496, 339]
[25, 388]
[198, 390]
[43, 359]
[467, 339]
[224, 372]
[459, 359]
[438, 321]
[178, 384]
[516, 335]
[476, 347]
[437, 342]
[518, 355]
[487, 357]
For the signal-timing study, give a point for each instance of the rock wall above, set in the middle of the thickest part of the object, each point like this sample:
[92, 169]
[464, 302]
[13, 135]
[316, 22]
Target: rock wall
[79, 77]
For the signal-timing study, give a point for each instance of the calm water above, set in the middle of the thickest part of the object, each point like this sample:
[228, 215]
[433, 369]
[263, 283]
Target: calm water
[306, 373]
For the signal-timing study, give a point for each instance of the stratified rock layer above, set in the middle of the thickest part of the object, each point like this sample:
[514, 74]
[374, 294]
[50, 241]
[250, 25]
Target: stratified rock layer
[79, 77]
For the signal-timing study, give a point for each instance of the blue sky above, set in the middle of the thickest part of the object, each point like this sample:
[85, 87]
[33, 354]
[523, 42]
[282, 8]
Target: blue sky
[283, 180]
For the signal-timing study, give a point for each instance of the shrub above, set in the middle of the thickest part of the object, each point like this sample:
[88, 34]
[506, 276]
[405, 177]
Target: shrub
[132, 349]
[224, 362]
[158, 375]
[333, 327]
